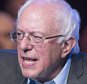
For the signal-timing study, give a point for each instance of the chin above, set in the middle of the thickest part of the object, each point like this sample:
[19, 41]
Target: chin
[30, 73]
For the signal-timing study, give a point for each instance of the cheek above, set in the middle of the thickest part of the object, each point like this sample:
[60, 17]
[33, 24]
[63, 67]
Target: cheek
[50, 57]
[55, 52]
[47, 55]
[44, 54]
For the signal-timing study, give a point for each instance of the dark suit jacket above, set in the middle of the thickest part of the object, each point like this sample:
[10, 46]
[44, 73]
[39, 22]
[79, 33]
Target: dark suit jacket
[9, 69]
[78, 70]
[10, 72]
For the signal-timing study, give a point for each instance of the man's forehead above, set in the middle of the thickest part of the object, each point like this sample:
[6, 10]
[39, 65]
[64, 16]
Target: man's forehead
[40, 13]
[48, 12]
[42, 7]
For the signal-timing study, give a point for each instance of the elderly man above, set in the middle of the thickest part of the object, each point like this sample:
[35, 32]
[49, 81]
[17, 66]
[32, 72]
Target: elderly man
[47, 37]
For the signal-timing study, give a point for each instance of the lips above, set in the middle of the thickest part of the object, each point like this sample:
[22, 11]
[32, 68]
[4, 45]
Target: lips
[28, 62]
[29, 59]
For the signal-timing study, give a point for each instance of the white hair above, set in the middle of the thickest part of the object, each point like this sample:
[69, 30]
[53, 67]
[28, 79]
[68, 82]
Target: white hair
[68, 16]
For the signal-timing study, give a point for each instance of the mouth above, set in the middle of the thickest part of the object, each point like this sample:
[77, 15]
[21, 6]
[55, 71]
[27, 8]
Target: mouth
[29, 59]
[29, 62]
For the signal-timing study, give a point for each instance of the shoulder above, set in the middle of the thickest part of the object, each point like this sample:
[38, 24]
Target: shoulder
[78, 69]
[80, 57]
[9, 68]
[8, 59]
[79, 61]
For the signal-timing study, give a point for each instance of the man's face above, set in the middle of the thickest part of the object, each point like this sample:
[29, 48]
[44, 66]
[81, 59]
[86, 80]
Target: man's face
[42, 60]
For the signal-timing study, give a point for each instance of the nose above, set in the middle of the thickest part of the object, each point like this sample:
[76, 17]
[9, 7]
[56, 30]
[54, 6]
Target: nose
[25, 44]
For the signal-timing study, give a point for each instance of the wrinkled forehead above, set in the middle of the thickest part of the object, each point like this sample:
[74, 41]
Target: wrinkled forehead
[40, 17]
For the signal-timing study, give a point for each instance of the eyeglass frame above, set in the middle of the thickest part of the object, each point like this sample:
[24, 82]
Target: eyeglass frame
[29, 34]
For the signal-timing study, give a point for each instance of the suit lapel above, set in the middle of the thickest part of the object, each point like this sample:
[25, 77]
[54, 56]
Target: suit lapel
[76, 69]
[24, 81]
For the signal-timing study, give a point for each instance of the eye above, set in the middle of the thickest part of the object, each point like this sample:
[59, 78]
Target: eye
[20, 35]
[37, 37]
[13, 36]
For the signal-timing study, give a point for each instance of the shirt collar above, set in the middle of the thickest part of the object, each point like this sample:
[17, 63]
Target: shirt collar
[61, 78]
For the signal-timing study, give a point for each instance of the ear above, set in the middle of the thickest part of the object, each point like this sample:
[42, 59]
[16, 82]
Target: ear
[67, 46]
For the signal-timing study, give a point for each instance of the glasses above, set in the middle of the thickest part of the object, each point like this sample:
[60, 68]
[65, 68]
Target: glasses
[34, 38]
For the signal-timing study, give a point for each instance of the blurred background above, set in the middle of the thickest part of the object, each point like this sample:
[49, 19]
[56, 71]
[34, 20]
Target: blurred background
[8, 15]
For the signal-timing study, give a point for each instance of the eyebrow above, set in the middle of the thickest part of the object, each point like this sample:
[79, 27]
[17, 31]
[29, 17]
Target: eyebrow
[19, 30]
